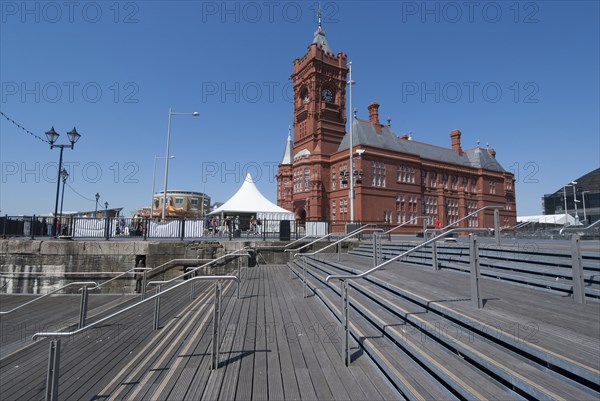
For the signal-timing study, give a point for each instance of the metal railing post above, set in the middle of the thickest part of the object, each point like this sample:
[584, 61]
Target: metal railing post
[182, 231]
[374, 250]
[475, 276]
[434, 256]
[345, 325]
[144, 283]
[304, 290]
[147, 227]
[497, 225]
[32, 229]
[216, 327]
[4, 226]
[578, 278]
[157, 308]
[379, 247]
[83, 307]
[53, 370]
[339, 251]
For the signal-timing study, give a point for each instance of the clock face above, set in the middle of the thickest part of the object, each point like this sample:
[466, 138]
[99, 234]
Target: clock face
[327, 95]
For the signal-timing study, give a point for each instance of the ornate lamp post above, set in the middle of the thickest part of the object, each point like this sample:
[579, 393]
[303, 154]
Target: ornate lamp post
[64, 175]
[52, 136]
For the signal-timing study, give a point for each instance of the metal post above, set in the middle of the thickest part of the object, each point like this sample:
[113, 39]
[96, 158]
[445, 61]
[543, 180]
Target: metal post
[216, 329]
[144, 280]
[434, 254]
[145, 228]
[182, 231]
[497, 225]
[53, 370]
[107, 228]
[83, 307]
[475, 276]
[4, 226]
[374, 250]
[32, 226]
[339, 251]
[157, 308]
[345, 326]
[578, 278]
[379, 247]
[304, 291]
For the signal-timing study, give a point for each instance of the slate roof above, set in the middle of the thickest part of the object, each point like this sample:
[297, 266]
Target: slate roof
[364, 134]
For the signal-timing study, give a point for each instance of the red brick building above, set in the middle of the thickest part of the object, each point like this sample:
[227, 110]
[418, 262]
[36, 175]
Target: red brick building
[396, 178]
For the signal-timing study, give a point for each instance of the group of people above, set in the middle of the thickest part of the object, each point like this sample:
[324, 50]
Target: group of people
[231, 224]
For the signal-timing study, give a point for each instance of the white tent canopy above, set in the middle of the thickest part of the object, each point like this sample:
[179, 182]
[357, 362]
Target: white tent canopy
[559, 219]
[248, 199]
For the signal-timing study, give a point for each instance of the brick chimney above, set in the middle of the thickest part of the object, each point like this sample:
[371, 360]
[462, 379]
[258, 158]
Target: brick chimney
[374, 115]
[455, 136]
[492, 152]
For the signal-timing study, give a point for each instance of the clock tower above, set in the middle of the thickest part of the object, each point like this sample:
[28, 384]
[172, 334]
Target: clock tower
[319, 82]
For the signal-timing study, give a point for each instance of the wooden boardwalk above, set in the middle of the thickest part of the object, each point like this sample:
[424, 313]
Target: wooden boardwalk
[275, 345]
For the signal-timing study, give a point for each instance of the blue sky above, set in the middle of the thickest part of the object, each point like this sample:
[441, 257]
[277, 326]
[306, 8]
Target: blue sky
[521, 76]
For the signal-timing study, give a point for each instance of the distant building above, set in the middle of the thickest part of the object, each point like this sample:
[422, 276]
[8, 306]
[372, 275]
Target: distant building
[585, 189]
[396, 178]
[189, 204]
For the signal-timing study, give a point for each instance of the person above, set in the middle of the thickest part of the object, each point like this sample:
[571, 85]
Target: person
[437, 225]
[252, 225]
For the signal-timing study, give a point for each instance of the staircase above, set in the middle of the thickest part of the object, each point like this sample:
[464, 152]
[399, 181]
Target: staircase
[419, 327]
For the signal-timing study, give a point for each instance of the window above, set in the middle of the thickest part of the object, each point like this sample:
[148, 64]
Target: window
[432, 179]
[179, 201]
[377, 174]
[306, 179]
[333, 182]
[194, 201]
[453, 182]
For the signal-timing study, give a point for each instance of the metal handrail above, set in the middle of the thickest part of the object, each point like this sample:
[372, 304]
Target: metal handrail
[310, 243]
[471, 214]
[83, 283]
[72, 333]
[54, 354]
[173, 261]
[345, 277]
[285, 246]
[387, 262]
[121, 275]
[350, 234]
[577, 229]
[403, 224]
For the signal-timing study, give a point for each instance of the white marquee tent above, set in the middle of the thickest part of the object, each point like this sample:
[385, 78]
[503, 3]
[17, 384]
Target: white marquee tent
[558, 219]
[248, 199]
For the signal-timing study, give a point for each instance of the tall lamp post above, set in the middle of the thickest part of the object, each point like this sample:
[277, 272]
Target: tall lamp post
[351, 166]
[151, 212]
[96, 210]
[584, 215]
[105, 209]
[171, 113]
[575, 201]
[52, 136]
[64, 175]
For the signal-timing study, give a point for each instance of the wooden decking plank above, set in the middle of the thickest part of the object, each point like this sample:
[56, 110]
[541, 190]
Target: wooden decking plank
[288, 375]
[238, 349]
[245, 379]
[274, 378]
[319, 382]
[260, 370]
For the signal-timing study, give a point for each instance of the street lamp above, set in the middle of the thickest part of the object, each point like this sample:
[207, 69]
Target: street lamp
[583, 196]
[96, 210]
[52, 136]
[575, 201]
[64, 174]
[351, 166]
[154, 182]
[195, 114]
